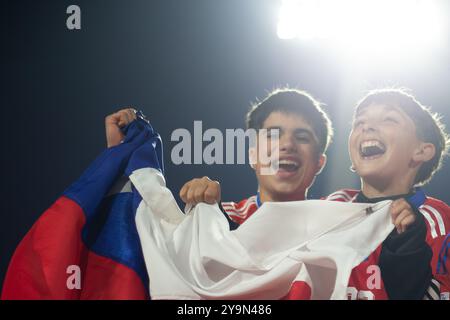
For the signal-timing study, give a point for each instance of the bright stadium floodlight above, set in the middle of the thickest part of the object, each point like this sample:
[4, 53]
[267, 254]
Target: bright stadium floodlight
[298, 19]
[384, 25]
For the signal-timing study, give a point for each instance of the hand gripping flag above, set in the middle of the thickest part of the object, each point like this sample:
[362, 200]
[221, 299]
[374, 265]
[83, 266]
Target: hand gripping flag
[85, 246]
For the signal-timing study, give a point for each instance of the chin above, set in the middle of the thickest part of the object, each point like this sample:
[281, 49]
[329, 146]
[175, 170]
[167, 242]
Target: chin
[369, 175]
[287, 192]
[370, 169]
[375, 178]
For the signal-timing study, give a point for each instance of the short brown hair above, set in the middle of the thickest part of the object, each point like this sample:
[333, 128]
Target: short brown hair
[429, 127]
[297, 102]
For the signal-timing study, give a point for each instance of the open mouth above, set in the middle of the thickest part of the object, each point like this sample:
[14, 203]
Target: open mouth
[288, 165]
[371, 149]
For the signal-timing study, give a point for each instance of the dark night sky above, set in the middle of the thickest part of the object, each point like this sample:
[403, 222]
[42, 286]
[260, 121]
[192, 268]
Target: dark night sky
[178, 61]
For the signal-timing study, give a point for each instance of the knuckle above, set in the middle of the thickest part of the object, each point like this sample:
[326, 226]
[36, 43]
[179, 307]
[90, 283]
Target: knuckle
[404, 203]
[198, 194]
[189, 195]
[210, 194]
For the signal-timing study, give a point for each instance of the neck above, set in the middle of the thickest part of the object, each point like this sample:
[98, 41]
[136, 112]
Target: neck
[373, 189]
[269, 197]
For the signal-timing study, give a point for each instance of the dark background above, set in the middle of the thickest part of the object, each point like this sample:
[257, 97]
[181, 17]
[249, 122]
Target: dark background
[178, 61]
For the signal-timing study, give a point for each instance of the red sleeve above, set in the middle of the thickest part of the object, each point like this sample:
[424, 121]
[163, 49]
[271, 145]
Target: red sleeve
[437, 218]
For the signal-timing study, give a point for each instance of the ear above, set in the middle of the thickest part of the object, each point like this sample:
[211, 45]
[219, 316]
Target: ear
[322, 161]
[252, 156]
[425, 152]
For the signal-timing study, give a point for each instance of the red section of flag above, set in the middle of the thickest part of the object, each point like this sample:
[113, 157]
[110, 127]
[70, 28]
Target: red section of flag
[300, 290]
[39, 266]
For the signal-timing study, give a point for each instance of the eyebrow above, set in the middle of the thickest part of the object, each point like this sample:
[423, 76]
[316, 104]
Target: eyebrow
[388, 109]
[302, 130]
[296, 131]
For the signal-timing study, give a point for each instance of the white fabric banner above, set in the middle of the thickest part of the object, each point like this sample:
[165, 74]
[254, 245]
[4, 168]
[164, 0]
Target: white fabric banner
[196, 256]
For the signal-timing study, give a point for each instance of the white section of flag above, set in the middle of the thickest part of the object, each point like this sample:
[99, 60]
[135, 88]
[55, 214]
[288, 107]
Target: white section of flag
[195, 256]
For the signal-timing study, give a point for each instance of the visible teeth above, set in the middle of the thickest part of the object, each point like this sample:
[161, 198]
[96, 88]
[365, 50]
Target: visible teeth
[370, 148]
[288, 162]
[372, 143]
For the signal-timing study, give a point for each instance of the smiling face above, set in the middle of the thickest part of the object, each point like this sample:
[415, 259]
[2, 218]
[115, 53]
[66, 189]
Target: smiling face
[299, 158]
[384, 148]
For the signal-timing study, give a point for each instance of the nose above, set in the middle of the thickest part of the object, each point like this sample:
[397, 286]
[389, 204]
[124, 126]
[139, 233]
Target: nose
[369, 126]
[287, 143]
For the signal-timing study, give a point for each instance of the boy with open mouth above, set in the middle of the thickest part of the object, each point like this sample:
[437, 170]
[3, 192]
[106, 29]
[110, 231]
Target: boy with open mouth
[396, 145]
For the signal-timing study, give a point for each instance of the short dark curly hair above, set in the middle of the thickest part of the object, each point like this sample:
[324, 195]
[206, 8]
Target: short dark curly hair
[429, 127]
[294, 101]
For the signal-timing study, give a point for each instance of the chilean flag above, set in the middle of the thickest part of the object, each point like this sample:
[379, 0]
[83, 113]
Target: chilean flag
[86, 246]
[91, 243]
